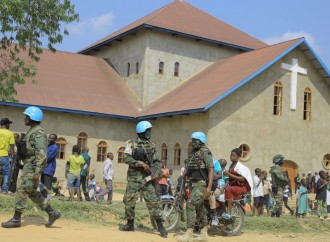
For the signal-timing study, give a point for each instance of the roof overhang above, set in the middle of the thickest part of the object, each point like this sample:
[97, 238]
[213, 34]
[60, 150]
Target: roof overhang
[148, 26]
[63, 110]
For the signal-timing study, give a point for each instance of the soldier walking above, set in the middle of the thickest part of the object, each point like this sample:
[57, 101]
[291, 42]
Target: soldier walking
[34, 164]
[200, 175]
[142, 174]
[279, 181]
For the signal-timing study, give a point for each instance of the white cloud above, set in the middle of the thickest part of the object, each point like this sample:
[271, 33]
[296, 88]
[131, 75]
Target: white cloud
[100, 25]
[292, 35]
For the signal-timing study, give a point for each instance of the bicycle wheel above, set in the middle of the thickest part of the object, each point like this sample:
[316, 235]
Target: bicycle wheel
[169, 214]
[234, 225]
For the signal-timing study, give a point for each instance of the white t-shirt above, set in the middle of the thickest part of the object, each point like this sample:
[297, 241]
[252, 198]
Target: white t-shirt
[258, 190]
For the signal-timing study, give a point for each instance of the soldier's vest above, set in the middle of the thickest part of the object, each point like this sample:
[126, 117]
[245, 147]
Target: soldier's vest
[30, 142]
[196, 167]
[277, 183]
[144, 152]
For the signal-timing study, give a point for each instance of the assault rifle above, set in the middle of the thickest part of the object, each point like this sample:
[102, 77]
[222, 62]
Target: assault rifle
[140, 154]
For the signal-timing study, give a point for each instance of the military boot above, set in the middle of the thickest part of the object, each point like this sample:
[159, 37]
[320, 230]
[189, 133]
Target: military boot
[53, 215]
[161, 228]
[203, 235]
[15, 222]
[186, 237]
[129, 226]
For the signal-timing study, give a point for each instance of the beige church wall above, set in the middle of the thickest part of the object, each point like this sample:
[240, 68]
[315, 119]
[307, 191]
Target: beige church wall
[246, 117]
[177, 129]
[113, 131]
[131, 49]
[149, 47]
[193, 56]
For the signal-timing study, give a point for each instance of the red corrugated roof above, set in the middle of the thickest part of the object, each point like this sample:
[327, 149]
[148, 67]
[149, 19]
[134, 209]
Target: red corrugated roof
[182, 17]
[78, 82]
[216, 80]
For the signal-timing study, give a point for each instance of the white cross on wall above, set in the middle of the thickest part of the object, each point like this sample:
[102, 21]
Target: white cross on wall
[295, 69]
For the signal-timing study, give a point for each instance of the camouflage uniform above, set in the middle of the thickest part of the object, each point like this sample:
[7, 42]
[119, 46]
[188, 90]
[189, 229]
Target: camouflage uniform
[199, 161]
[136, 177]
[279, 181]
[34, 163]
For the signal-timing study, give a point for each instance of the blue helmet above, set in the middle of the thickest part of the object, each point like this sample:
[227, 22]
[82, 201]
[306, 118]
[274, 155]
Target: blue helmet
[200, 136]
[278, 158]
[34, 113]
[142, 126]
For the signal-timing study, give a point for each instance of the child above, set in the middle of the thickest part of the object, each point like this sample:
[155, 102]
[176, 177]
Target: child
[321, 196]
[258, 192]
[219, 192]
[303, 199]
[92, 187]
[286, 195]
[55, 187]
[267, 187]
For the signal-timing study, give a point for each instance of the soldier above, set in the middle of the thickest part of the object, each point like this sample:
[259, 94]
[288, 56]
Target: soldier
[279, 181]
[200, 174]
[34, 163]
[142, 174]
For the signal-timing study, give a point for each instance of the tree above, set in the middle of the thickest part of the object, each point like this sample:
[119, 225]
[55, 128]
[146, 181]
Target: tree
[24, 23]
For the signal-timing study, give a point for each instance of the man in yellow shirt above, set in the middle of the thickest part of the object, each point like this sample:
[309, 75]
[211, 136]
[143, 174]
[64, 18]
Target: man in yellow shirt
[7, 142]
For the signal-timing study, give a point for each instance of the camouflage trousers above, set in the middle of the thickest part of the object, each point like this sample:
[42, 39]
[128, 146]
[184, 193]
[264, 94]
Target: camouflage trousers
[322, 209]
[195, 205]
[28, 189]
[278, 197]
[132, 194]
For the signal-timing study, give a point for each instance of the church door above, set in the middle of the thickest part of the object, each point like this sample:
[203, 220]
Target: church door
[291, 167]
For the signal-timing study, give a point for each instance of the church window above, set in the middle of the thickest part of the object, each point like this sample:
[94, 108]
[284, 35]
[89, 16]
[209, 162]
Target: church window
[82, 140]
[246, 152]
[121, 154]
[278, 89]
[307, 104]
[164, 152]
[61, 145]
[102, 148]
[326, 162]
[177, 154]
[128, 69]
[137, 68]
[161, 68]
[176, 68]
[189, 148]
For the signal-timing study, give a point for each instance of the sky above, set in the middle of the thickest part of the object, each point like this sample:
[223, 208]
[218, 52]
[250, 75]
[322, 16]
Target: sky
[271, 21]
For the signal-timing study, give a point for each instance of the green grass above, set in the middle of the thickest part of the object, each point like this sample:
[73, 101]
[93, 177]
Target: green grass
[103, 214]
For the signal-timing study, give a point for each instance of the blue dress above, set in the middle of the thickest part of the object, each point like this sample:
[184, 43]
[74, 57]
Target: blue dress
[302, 200]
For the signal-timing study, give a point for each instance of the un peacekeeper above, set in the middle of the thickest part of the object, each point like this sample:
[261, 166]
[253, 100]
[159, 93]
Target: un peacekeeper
[200, 173]
[143, 171]
[279, 181]
[34, 164]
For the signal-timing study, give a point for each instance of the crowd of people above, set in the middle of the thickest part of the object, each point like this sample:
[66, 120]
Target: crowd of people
[213, 179]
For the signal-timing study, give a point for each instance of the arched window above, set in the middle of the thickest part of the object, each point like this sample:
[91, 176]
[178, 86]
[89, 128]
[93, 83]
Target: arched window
[164, 152]
[121, 154]
[176, 68]
[246, 153]
[326, 161]
[161, 68]
[189, 148]
[177, 154]
[137, 68]
[128, 69]
[82, 140]
[278, 88]
[102, 148]
[308, 104]
[61, 145]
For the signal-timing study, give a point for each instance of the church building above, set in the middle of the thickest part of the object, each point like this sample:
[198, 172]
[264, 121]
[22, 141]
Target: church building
[184, 71]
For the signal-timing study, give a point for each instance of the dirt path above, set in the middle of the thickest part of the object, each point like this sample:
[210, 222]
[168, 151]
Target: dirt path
[33, 230]
[66, 231]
